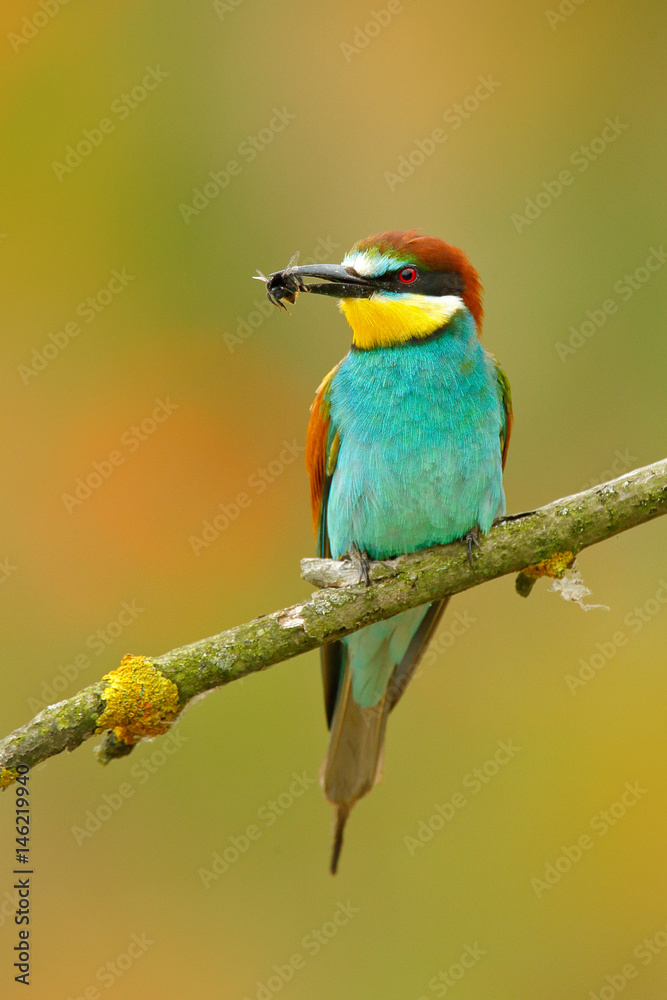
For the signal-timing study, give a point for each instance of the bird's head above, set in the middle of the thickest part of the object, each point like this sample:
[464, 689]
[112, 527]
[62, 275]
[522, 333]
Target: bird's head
[399, 287]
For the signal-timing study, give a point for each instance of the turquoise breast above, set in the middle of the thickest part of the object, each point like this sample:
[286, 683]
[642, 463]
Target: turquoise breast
[419, 461]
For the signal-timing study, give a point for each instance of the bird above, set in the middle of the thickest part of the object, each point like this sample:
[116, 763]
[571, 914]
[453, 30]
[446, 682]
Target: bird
[405, 449]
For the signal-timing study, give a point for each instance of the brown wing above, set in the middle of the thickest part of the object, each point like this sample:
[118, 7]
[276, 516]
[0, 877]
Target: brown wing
[322, 444]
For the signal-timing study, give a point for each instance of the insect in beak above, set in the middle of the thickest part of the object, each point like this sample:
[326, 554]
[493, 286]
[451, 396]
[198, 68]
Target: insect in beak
[283, 286]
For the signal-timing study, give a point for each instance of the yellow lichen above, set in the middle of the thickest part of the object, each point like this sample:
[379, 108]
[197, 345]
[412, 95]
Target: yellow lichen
[7, 776]
[140, 700]
[555, 566]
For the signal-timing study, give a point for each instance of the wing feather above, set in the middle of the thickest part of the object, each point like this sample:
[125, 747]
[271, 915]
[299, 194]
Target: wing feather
[322, 444]
[506, 396]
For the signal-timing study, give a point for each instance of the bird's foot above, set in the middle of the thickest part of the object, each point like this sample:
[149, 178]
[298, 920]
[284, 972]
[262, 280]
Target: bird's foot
[363, 564]
[471, 538]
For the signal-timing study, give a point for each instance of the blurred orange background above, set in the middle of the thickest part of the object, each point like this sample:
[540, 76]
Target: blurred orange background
[112, 119]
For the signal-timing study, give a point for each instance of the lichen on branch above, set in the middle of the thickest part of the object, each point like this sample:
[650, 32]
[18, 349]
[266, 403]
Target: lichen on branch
[144, 695]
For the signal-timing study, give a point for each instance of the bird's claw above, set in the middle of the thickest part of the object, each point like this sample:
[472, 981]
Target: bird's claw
[471, 539]
[363, 564]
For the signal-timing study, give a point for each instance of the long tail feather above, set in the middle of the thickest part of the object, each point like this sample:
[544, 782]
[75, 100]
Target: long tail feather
[341, 814]
[352, 765]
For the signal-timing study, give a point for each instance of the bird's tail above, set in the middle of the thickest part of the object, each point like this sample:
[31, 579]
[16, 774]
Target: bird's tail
[353, 764]
[376, 664]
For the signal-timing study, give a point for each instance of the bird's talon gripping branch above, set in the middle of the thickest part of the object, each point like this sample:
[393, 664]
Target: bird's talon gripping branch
[363, 564]
[471, 540]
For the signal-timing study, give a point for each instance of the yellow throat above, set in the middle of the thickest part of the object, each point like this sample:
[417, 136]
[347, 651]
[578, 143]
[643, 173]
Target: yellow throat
[385, 321]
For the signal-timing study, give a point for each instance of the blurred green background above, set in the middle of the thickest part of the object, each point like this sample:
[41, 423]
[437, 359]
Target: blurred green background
[360, 90]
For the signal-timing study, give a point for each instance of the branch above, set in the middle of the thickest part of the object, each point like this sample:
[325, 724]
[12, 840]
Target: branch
[143, 696]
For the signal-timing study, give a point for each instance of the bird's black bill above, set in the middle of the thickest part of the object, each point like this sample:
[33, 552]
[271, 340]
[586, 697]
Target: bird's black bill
[336, 280]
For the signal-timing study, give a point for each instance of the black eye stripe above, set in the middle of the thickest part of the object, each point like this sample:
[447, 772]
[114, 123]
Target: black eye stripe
[426, 282]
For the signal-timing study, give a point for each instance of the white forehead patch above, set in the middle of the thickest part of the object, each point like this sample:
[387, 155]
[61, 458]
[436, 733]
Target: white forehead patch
[371, 265]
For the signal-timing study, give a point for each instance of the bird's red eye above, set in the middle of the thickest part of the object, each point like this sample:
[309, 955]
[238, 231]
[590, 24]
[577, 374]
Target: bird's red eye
[407, 275]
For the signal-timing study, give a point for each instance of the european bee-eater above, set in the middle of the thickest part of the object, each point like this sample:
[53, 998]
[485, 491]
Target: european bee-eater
[406, 447]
